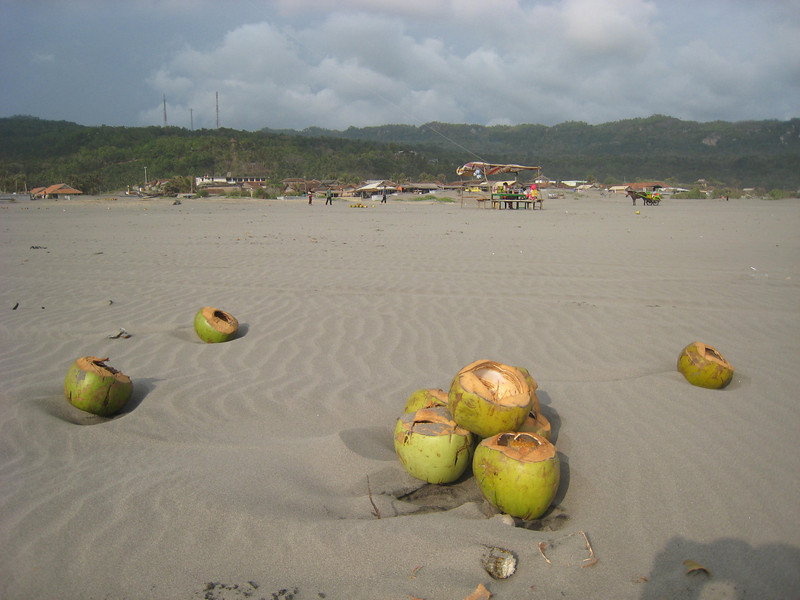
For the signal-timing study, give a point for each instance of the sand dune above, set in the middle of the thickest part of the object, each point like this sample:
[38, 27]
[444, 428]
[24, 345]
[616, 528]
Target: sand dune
[249, 469]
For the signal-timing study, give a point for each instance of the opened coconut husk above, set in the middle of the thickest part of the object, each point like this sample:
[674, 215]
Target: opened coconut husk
[93, 386]
[537, 423]
[431, 446]
[704, 366]
[487, 397]
[518, 473]
[214, 325]
[533, 385]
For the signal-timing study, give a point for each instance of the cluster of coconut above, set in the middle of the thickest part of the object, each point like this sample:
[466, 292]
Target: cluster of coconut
[489, 420]
[95, 387]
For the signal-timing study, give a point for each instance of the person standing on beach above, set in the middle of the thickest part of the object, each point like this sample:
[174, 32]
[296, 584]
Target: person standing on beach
[383, 196]
[309, 196]
[329, 197]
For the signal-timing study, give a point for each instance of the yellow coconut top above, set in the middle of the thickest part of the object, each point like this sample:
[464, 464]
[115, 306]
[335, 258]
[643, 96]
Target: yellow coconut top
[524, 447]
[432, 421]
[503, 384]
[711, 354]
[93, 364]
[220, 320]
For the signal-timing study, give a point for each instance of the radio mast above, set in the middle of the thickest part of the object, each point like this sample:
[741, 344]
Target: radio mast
[165, 109]
[217, 110]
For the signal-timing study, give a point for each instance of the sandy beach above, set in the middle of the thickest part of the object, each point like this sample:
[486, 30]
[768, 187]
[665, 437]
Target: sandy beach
[249, 469]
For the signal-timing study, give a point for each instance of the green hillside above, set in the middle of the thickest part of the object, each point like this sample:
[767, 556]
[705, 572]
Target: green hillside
[35, 152]
[741, 154]
[762, 154]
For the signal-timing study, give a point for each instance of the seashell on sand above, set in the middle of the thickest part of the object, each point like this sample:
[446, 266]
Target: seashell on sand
[499, 562]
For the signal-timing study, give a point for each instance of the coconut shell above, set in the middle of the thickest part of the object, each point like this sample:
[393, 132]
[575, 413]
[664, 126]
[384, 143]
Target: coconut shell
[533, 385]
[487, 397]
[95, 387]
[518, 473]
[214, 325]
[537, 423]
[431, 446]
[425, 398]
[704, 366]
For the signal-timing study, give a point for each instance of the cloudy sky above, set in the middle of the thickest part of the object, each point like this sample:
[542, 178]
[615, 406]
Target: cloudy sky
[340, 63]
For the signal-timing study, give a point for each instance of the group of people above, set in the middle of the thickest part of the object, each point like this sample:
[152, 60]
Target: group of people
[531, 193]
[329, 197]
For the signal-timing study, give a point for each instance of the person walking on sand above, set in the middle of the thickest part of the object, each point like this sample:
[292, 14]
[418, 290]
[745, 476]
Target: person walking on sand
[329, 197]
[383, 196]
[310, 195]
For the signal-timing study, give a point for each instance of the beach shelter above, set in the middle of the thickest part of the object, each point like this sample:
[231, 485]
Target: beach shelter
[55, 191]
[479, 169]
[376, 186]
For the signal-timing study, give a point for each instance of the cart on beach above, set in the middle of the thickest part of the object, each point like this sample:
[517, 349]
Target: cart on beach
[651, 198]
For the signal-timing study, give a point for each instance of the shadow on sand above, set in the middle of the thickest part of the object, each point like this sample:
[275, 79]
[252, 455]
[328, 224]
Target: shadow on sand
[736, 570]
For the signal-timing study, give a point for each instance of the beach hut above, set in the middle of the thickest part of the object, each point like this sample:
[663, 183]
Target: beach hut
[376, 186]
[619, 189]
[55, 191]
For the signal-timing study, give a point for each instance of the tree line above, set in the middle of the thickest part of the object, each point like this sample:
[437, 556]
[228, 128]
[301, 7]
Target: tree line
[762, 154]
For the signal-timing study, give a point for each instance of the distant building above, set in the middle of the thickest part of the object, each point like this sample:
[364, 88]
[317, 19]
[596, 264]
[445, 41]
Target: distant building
[54, 191]
[295, 185]
[647, 185]
[419, 188]
[209, 180]
[571, 184]
[376, 186]
[217, 180]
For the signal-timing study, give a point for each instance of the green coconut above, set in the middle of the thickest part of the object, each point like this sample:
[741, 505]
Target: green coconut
[425, 398]
[533, 386]
[518, 473]
[95, 387]
[431, 446]
[537, 423]
[214, 325]
[487, 397]
[703, 366]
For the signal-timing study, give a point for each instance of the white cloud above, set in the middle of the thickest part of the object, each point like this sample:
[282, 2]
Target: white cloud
[336, 63]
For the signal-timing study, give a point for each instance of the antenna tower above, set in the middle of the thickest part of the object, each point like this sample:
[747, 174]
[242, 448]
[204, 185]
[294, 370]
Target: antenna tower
[165, 109]
[217, 110]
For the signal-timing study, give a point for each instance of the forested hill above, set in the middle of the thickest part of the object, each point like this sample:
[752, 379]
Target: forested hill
[762, 154]
[744, 153]
[657, 134]
[35, 152]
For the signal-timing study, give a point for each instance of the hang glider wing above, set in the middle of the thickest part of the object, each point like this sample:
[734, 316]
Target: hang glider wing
[485, 169]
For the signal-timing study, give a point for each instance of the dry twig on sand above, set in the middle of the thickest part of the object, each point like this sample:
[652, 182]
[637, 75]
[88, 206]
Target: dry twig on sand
[375, 510]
